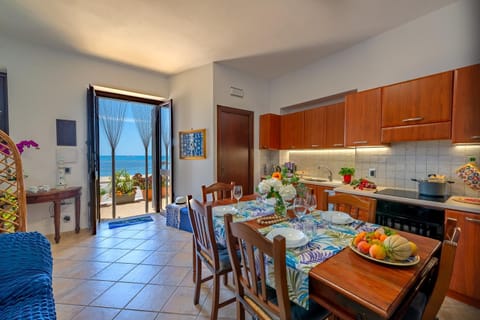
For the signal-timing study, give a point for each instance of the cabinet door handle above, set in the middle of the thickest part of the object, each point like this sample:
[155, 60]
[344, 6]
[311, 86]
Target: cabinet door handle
[472, 220]
[360, 142]
[338, 144]
[475, 137]
[315, 145]
[412, 119]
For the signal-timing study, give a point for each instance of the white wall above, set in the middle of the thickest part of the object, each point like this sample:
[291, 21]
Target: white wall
[192, 93]
[442, 40]
[255, 99]
[45, 85]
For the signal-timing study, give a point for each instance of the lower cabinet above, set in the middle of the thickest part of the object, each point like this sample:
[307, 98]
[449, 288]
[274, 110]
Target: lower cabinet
[465, 283]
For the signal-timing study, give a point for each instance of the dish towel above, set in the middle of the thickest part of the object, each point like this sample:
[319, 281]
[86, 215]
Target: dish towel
[470, 175]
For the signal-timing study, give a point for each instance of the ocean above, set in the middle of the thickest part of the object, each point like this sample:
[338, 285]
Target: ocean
[133, 164]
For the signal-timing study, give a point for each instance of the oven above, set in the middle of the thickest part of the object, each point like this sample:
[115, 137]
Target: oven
[416, 219]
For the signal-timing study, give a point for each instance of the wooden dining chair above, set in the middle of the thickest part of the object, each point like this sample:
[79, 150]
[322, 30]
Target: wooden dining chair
[13, 203]
[251, 290]
[426, 304]
[208, 253]
[217, 191]
[357, 207]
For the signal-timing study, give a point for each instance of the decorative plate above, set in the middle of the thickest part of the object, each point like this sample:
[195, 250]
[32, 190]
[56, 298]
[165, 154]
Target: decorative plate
[411, 261]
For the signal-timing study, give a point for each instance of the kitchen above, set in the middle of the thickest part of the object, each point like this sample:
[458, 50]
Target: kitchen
[392, 154]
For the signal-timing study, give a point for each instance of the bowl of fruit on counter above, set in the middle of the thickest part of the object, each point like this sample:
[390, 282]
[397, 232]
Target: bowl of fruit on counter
[364, 184]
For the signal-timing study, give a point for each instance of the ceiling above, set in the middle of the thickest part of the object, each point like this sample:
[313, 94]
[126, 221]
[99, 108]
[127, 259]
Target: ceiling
[266, 38]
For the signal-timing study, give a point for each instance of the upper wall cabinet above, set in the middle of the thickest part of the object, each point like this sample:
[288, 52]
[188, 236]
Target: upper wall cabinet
[269, 131]
[292, 128]
[363, 118]
[419, 109]
[315, 127]
[466, 105]
[335, 125]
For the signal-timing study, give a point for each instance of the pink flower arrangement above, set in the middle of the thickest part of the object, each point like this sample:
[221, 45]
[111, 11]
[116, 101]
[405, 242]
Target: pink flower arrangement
[26, 144]
[20, 146]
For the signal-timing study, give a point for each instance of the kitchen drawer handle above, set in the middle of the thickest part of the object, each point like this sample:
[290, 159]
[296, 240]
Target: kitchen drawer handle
[360, 142]
[338, 145]
[472, 220]
[475, 137]
[412, 119]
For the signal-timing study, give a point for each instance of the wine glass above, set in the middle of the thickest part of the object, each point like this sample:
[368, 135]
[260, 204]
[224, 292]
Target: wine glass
[237, 193]
[311, 203]
[299, 207]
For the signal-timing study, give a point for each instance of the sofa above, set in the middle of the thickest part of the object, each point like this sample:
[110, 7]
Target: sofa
[26, 277]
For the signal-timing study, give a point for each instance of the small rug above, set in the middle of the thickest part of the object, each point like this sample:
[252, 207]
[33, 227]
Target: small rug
[128, 222]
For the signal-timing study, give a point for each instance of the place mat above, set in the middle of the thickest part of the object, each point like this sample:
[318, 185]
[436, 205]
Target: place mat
[469, 200]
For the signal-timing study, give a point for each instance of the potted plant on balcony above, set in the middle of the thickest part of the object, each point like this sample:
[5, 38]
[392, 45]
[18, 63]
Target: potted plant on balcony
[347, 174]
[139, 181]
[124, 188]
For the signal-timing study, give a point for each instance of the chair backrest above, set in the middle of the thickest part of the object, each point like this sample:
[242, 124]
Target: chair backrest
[13, 204]
[445, 270]
[250, 276]
[201, 219]
[218, 191]
[357, 207]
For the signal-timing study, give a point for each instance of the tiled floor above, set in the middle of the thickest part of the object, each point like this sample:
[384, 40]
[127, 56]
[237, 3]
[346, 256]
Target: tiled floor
[143, 272]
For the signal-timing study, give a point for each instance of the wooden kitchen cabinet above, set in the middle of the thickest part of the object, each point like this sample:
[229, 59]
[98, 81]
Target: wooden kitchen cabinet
[465, 285]
[363, 118]
[292, 131]
[335, 125]
[320, 194]
[269, 131]
[466, 105]
[419, 109]
[315, 128]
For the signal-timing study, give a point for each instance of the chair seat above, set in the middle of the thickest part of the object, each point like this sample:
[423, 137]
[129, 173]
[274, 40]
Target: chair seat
[224, 259]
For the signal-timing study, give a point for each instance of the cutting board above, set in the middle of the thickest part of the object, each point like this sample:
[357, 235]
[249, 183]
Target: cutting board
[468, 200]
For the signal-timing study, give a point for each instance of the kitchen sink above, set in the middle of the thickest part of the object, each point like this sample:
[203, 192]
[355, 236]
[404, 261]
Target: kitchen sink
[315, 179]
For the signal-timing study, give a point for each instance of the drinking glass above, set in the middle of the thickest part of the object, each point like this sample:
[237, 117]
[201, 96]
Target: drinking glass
[237, 193]
[311, 203]
[299, 207]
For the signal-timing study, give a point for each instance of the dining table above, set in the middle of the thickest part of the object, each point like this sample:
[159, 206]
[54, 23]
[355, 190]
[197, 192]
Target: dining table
[348, 284]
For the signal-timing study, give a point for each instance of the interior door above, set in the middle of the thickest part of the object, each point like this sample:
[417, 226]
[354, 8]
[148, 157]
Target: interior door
[235, 147]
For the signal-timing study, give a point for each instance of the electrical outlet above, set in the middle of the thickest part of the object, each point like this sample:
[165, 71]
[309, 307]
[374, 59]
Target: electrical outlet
[372, 172]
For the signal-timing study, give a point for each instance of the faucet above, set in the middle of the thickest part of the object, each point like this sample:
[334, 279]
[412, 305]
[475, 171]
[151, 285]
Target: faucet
[330, 174]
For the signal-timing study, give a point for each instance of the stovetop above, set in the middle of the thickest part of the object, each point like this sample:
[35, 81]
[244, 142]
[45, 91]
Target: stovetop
[411, 195]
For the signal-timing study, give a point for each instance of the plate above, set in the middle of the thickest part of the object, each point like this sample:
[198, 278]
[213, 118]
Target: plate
[411, 261]
[220, 211]
[293, 238]
[336, 217]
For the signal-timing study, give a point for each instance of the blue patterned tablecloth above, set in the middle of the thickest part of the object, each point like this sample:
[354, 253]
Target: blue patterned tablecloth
[328, 240]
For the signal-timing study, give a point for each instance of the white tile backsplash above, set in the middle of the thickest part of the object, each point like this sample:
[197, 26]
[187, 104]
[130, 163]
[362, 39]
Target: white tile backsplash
[395, 165]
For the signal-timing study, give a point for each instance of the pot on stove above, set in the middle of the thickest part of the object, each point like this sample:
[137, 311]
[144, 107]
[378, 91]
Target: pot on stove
[434, 186]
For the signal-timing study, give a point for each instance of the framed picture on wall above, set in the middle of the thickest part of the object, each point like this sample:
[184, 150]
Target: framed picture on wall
[193, 144]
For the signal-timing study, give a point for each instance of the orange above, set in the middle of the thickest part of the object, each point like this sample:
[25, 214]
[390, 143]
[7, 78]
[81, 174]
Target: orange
[377, 251]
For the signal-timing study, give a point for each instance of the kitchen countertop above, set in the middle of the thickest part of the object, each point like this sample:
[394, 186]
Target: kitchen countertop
[449, 204]
[333, 183]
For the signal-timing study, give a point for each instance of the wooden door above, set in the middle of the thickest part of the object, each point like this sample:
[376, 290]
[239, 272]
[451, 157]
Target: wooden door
[363, 118]
[235, 147]
[269, 131]
[315, 127]
[3, 103]
[335, 120]
[419, 101]
[466, 105]
[292, 128]
[464, 284]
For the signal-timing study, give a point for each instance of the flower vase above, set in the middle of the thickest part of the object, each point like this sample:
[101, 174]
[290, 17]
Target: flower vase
[280, 208]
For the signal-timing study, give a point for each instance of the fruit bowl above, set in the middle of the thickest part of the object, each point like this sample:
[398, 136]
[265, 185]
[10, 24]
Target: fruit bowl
[411, 261]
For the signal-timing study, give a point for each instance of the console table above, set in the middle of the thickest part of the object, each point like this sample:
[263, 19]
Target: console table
[56, 196]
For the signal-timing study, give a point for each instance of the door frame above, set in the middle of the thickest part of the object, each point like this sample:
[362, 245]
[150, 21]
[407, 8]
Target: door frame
[93, 145]
[250, 114]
